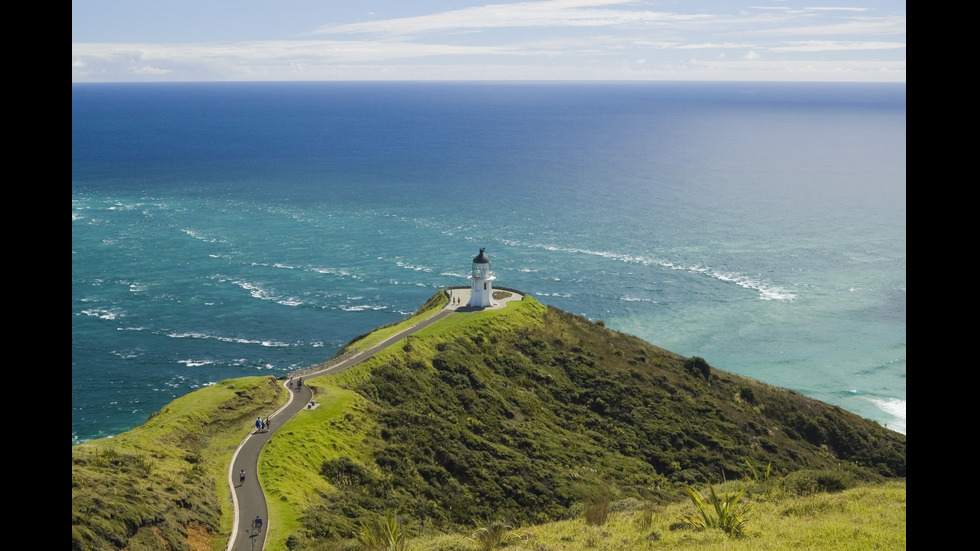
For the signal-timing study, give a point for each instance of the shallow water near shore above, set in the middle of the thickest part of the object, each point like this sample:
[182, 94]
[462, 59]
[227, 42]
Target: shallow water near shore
[226, 230]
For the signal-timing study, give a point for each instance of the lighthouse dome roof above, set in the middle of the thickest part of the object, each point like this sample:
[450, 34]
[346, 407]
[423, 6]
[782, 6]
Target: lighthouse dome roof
[481, 258]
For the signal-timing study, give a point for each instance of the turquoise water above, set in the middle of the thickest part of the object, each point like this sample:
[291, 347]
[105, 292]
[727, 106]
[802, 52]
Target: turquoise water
[226, 230]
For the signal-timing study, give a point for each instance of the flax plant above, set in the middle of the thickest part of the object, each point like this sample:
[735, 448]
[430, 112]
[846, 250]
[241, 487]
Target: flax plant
[492, 535]
[723, 513]
[384, 534]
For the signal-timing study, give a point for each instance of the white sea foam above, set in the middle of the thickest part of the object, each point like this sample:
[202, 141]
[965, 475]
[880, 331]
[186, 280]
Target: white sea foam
[413, 267]
[896, 408]
[333, 271]
[362, 307]
[200, 237]
[235, 340]
[100, 313]
[253, 288]
[891, 406]
[195, 363]
[766, 290]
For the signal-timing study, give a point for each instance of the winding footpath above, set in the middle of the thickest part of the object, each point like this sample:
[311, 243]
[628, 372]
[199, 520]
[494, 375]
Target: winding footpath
[249, 500]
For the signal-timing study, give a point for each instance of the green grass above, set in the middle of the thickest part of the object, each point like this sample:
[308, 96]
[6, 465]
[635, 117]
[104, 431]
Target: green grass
[290, 463]
[165, 483]
[516, 316]
[379, 335]
[870, 516]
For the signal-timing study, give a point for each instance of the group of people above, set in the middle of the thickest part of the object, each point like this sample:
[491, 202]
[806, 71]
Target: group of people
[262, 425]
[298, 382]
[456, 300]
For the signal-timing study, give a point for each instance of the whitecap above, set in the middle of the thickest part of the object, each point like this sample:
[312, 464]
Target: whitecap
[766, 290]
[195, 363]
[233, 340]
[199, 236]
[635, 299]
[101, 314]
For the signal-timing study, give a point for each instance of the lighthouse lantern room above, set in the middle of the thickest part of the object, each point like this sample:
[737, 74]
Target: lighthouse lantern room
[481, 292]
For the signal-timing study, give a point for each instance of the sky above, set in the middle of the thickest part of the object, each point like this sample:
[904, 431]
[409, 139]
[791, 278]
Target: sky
[311, 40]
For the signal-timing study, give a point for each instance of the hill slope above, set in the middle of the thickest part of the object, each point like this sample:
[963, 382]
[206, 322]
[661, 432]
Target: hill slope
[525, 412]
[164, 485]
[521, 414]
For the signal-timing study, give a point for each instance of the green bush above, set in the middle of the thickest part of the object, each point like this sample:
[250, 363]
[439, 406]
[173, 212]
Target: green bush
[698, 366]
[808, 482]
[597, 509]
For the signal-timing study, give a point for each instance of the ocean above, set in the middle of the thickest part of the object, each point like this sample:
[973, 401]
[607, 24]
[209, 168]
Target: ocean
[236, 229]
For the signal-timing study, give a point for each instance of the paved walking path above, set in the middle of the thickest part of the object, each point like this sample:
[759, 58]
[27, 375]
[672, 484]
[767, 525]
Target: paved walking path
[249, 500]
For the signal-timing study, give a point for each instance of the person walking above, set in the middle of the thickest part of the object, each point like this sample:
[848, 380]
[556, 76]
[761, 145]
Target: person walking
[241, 477]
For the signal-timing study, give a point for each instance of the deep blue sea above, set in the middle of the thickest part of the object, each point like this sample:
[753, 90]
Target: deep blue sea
[226, 230]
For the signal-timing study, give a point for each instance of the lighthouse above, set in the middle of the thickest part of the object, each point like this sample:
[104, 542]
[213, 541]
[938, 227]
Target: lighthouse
[481, 292]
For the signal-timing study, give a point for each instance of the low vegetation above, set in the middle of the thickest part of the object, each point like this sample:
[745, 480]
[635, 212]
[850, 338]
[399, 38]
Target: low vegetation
[163, 485]
[865, 516]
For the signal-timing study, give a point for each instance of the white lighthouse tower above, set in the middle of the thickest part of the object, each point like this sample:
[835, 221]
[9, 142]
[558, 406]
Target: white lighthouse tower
[481, 292]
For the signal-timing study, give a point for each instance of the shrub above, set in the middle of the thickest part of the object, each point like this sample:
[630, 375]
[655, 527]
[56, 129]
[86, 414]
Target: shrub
[384, 534]
[723, 513]
[697, 366]
[492, 535]
[746, 394]
[807, 482]
[597, 509]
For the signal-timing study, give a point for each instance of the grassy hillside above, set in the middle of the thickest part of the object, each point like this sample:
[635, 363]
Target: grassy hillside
[528, 413]
[164, 485]
[526, 417]
[868, 516]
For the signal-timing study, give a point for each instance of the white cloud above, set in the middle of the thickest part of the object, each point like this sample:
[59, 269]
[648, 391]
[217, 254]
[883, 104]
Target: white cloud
[550, 13]
[571, 39]
[832, 46]
[148, 70]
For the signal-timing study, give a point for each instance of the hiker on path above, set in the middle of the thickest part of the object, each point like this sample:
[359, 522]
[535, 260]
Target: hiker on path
[258, 424]
[241, 478]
